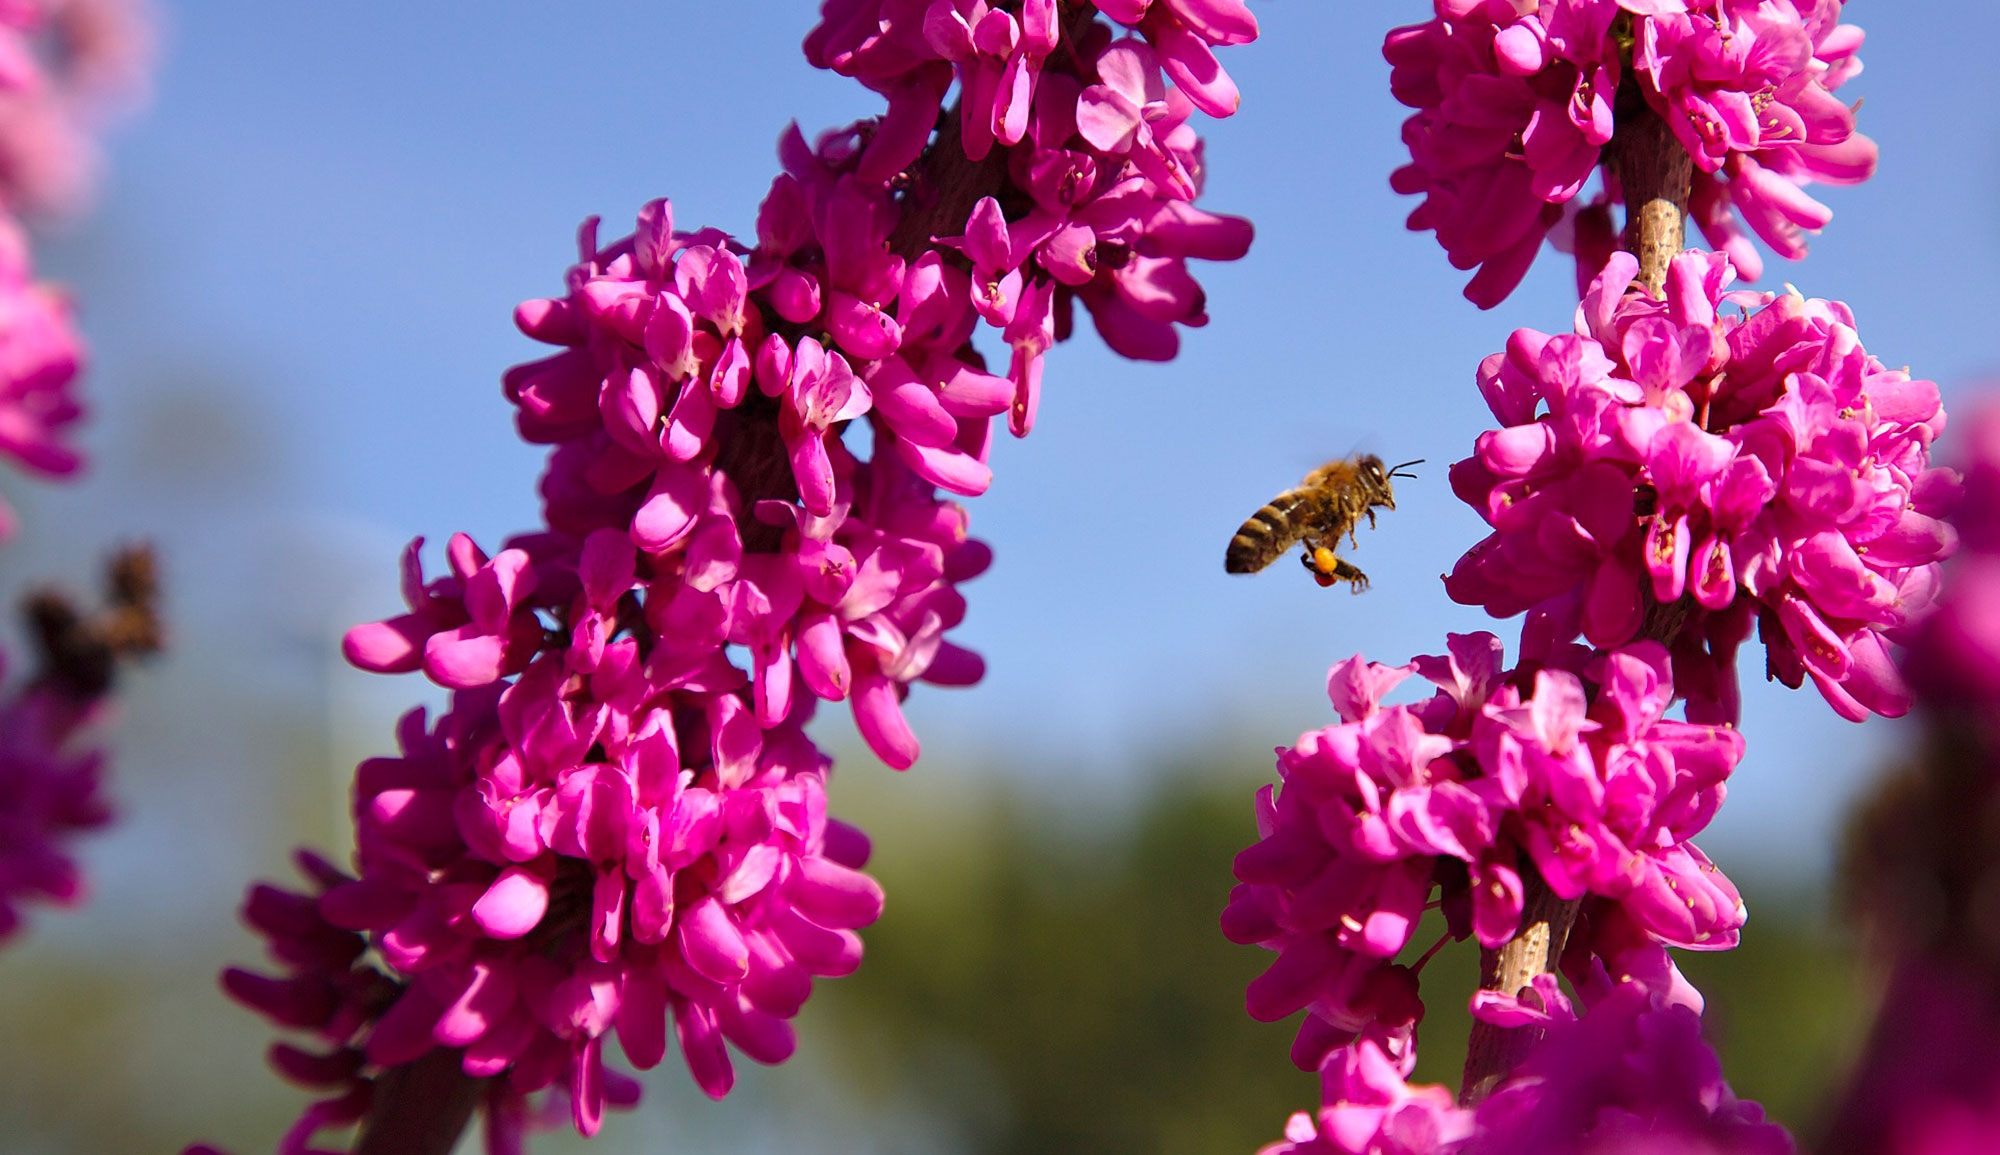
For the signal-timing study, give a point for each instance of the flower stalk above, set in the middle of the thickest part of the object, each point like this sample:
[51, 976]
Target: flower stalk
[1655, 172]
[1493, 1051]
[421, 1108]
[946, 184]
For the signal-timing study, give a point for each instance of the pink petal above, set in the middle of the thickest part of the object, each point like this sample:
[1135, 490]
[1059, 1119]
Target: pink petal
[514, 904]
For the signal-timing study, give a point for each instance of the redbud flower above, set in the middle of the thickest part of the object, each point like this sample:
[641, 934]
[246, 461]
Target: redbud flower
[50, 790]
[1128, 113]
[1673, 453]
[1185, 34]
[1588, 779]
[1632, 1076]
[998, 56]
[330, 990]
[1515, 107]
[1512, 116]
[66, 67]
[1370, 1110]
[1748, 90]
[896, 46]
[500, 877]
[1608, 794]
[1954, 658]
[1921, 858]
[1103, 149]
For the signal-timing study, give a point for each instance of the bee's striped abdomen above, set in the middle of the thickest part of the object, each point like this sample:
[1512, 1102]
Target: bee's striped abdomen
[1268, 534]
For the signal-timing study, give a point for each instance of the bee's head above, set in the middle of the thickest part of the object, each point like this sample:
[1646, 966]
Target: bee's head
[1374, 478]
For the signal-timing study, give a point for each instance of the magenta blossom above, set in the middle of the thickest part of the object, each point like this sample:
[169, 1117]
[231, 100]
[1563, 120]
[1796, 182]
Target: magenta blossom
[1578, 770]
[40, 358]
[998, 56]
[1512, 116]
[1185, 34]
[1631, 1077]
[1370, 1110]
[658, 363]
[902, 48]
[619, 826]
[1748, 89]
[66, 67]
[331, 991]
[1515, 106]
[1954, 659]
[1104, 151]
[50, 791]
[535, 904]
[1671, 453]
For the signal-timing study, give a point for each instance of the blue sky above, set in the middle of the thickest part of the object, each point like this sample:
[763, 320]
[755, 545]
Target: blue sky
[300, 280]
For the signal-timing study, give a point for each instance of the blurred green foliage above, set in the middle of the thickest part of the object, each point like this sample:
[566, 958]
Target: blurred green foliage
[1059, 990]
[1050, 983]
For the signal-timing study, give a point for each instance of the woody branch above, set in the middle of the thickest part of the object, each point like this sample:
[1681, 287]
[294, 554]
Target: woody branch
[1655, 173]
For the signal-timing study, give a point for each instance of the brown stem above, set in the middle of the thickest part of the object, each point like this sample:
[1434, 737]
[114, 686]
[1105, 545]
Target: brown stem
[420, 1108]
[751, 451]
[1494, 1051]
[1655, 173]
[944, 184]
[1546, 919]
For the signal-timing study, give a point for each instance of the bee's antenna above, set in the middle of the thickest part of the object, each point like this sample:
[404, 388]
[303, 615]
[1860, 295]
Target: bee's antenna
[1395, 472]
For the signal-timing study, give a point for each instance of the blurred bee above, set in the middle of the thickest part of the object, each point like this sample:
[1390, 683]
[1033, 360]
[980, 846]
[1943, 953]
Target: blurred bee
[1323, 508]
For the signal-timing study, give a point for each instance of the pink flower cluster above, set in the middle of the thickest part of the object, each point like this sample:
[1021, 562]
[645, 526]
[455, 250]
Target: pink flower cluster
[845, 595]
[1631, 1077]
[1100, 154]
[1516, 102]
[1683, 465]
[614, 839]
[1921, 861]
[64, 66]
[1369, 1108]
[332, 991]
[1719, 463]
[1953, 660]
[50, 790]
[911, 50]
[620, 821]
[1928, 1080]
[40, 359]
[1576, 771]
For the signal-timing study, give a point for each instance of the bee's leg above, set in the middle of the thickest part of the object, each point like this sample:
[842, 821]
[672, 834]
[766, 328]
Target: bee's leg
[1331, 569]
[1328, 568]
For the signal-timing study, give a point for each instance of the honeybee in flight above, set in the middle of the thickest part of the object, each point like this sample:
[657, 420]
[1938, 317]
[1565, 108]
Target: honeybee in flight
[1322, 509]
